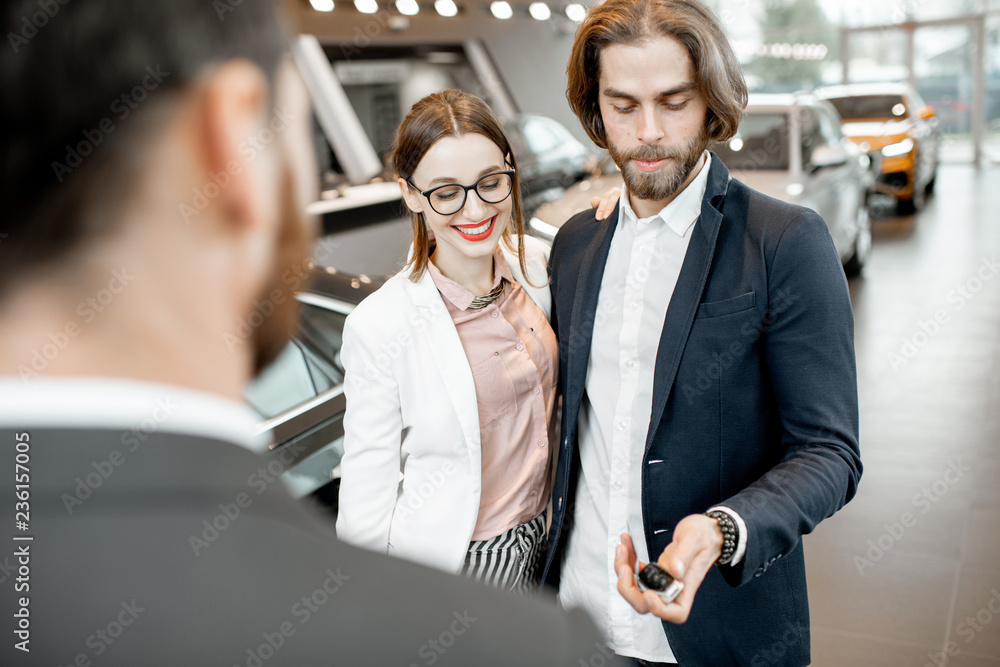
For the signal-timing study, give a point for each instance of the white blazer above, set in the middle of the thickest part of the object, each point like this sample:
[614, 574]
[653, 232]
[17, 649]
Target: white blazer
[411, 471]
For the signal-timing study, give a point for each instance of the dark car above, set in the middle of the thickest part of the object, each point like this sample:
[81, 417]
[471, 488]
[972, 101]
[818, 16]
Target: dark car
[549, 158]
[300, 397]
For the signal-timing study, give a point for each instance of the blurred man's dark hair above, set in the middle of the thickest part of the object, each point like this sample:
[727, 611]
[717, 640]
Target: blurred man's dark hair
[72, 130]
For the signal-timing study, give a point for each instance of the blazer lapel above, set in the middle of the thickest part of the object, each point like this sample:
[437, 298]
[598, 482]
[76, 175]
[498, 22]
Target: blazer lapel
[687, 294]
[449, 356]
[576, 352]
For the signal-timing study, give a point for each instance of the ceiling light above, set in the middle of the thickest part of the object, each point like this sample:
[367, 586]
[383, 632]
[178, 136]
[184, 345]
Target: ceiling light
[322, 5]
[366, 6]
[575, 12]
[445, 7]
[501, 9]
[539, 11]
[407, 7]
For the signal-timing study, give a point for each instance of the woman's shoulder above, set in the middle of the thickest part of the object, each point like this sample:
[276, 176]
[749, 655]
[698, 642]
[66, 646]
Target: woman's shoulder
[536, 257]
[535, 249]
[384, 307]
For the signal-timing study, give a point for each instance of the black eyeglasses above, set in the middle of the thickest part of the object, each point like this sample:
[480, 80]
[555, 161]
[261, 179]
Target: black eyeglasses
[449, 199]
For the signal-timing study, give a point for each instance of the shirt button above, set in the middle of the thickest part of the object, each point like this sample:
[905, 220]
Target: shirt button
[629, 364]
[520, 346]
[621, 426]
[618, 484]
[541, 443]
[535, 391]
[633, 307]
[495, 313]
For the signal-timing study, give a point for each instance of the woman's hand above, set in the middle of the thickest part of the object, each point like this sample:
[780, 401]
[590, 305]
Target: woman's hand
[605, 205]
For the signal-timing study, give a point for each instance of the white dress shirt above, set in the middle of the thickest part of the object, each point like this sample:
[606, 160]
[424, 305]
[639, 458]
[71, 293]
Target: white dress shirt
[639, 278]
[134, 407]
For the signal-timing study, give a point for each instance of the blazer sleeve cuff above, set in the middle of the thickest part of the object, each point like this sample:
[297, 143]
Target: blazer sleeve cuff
[741, 543]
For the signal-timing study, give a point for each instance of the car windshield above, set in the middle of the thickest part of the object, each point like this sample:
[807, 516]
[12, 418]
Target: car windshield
[323, 331]
[870, 107]
[308, 366]
[760, 143]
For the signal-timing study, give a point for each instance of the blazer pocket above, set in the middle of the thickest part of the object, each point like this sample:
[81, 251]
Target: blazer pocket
[494, 391]
[736, 304]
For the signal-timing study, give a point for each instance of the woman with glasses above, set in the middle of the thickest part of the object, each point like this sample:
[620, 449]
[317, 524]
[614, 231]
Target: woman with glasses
[451, 366]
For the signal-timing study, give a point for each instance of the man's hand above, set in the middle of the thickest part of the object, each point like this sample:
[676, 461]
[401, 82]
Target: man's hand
[696, 546]
[606, 203]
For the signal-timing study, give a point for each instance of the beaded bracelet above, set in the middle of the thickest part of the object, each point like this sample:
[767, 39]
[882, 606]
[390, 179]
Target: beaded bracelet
[730, 536]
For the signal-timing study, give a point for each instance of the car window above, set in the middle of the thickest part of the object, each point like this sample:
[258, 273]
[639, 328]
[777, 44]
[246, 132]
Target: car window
[761, 142]
[829, 126]
[870, 107]
[539, 136]
[284, 384]
[322, 331]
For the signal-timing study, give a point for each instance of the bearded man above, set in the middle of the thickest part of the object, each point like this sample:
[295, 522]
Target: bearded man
[710, 410]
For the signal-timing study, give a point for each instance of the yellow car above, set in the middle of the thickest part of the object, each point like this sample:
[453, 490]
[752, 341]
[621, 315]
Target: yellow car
[898, 130]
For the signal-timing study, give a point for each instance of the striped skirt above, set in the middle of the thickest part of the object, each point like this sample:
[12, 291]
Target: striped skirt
[510, 561]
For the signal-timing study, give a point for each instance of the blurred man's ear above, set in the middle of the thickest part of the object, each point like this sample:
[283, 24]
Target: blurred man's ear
[233, 118]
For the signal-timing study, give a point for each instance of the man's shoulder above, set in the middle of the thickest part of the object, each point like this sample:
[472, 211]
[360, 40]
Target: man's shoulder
[766, 217]
[577, 226]
[576, 233]
[183, 523]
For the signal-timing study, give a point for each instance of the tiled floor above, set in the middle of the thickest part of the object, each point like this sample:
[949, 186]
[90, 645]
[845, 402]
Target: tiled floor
[908, 574]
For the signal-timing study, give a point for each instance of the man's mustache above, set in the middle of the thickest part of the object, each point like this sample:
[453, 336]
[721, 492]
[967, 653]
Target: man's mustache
[649, 153]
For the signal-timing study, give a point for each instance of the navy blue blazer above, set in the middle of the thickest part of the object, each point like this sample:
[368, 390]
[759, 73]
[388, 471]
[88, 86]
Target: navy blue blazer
[755, 406]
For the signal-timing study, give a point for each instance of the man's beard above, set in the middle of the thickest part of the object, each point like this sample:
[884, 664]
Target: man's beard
[294, 245]
[669, 178]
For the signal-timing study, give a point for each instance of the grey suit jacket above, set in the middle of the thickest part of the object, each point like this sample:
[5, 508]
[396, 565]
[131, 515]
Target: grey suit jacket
[189, 551]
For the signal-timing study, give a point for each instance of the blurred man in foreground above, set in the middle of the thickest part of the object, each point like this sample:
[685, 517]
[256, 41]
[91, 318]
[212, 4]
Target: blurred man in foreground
[155, 160]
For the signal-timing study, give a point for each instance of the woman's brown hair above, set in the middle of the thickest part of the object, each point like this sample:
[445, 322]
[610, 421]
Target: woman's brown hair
[718, 72]
[452, 113]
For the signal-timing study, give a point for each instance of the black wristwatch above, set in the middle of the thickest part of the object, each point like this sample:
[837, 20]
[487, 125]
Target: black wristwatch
[730, 536]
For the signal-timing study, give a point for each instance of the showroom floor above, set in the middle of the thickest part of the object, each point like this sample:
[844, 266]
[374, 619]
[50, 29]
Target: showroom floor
[909, 572]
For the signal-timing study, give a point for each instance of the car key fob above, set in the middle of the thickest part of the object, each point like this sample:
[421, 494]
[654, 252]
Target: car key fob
[655, 578]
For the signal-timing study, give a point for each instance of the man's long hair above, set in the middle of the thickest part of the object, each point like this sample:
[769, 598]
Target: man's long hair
[692, 24]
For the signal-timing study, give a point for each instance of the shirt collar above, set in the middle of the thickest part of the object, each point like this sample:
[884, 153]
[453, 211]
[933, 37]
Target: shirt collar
[681, 213]
[460, 297]
[127, 405]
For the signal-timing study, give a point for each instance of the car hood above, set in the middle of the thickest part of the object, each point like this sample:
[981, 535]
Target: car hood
[773, 183]
[778, 184]
[576, 199]
[883, 130]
